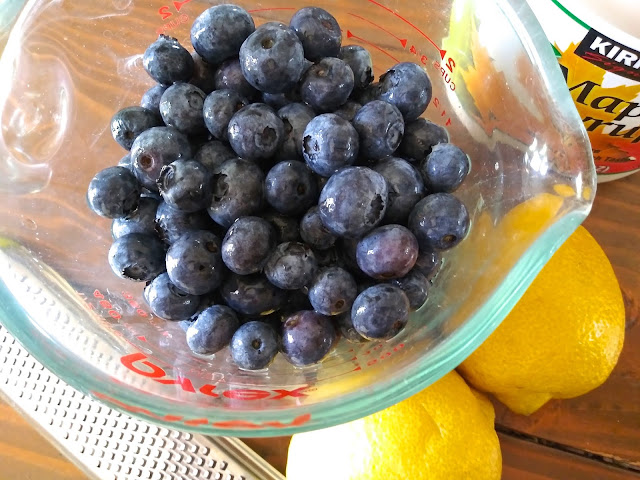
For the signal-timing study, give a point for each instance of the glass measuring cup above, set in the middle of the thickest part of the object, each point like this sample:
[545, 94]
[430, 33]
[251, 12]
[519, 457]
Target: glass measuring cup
[70, 65]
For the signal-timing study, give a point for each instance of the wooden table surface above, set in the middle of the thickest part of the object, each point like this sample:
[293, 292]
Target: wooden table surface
[593, 437]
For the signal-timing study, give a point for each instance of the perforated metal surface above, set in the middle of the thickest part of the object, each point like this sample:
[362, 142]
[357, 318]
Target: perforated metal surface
[110, 445]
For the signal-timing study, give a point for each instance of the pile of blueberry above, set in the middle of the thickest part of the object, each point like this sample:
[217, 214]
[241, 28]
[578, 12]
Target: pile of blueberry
[275, 198]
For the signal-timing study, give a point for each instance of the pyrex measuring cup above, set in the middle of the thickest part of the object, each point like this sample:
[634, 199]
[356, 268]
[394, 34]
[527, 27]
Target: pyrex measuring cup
[69, 65]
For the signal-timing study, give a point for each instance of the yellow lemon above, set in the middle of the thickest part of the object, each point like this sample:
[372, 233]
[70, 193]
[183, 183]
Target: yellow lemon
[562, 339]
[444, 432]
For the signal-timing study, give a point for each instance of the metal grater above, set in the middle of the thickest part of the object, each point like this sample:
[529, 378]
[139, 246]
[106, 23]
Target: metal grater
[109, 445]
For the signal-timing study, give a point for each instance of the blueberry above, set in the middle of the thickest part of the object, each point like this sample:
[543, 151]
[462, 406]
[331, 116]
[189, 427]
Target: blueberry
[212, 330]
[367, 94]
[137, 257]
[219, 31]
[185, 185]
[380, 312]
[142, 220]
[286, 228]
[254, 346]
[307, 337]
[181, 108]
[407, 86]
[346, 329]
[126, 162]
[204, 74]
[213, 154]
[295, 118]
[229, 76]
[255, 132]
[348, 110]
[380, 127]
[114, 192]
[359, 60]
[171, 224]
[318, 31]
[219, 107]
[387, 252]
[428, 263]
[290, 187]
[155, 148]
[313, 231]
[167, 62]
[406, 188]
[329, 143]
[275, 100]
[420, 136]
[168, 301]
[128, 123]
[327, 84]
[353, 201]
[292, 265]
[415, 286]
[247, 245]
[328, 257]
[194, 263]
[252, 294]
[238, 191]
[333, 291]
[272, 59]
[151, 98]
[439, 221]
[445, 168]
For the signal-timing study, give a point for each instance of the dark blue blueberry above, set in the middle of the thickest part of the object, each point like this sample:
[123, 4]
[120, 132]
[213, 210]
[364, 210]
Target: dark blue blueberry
[247, 245]
[254, 346]
[348, 110]
[181, 108]
[252, 294]
[380, 312]
[155, 148]
[346, 329]
[114, 192]
[151, 98]
[408, 87]
[387, 252]
[291, 188]
[219, 31]
[128, 123]
[137, 257]
[329, 143]
[194, 262]
[286, 228]
[347, 248]
[439, 221]
[406, 188]
[212, 330]
[275, 100]
[171, 224]
[292, 265]
[327, 84]
[428, 263]
[213, 154]
[359, 60]
[445, 168]
[126, 162]
[295, 118]
[420, 136]
[168, 301]
[380, 127]
[307, 337]
[328, 257]
[255, 132]
[185, 185]
[353, 201]
[272, 58]
[313, 231]
[415, 286]
[367, 94]
[318, 31]
[142, 220]
[204, 74]
[166, 61]
[238, 191]
[229, 76]
[219, 107]
[333, 291]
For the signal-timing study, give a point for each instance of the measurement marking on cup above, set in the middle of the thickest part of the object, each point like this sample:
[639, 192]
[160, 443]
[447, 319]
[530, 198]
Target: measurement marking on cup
[403, 41]
[351, 35]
